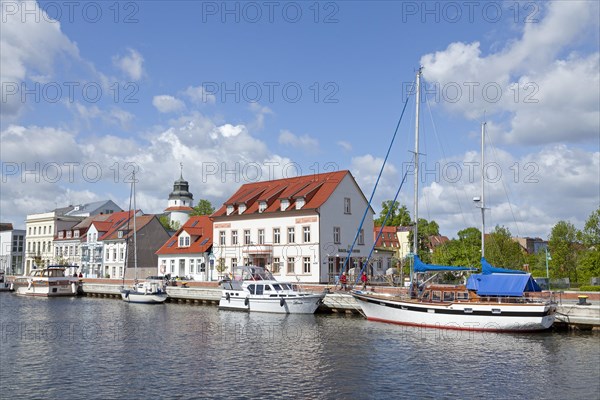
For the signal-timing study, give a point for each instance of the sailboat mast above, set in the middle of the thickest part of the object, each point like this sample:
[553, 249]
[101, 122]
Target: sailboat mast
[416, 194]
[482, 190]
[134, 229]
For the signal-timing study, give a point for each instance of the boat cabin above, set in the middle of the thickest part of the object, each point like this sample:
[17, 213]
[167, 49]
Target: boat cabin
[444, 294]
[50, 272]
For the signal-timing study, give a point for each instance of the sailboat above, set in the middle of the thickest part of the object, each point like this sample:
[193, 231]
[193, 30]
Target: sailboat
[149, 292]
[496, 299]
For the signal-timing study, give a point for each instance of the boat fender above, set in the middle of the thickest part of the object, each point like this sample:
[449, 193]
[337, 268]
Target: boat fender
[228, 296]
[282, 302]
[30, 281]
[246, 302]
[127, 294]
[74, 287]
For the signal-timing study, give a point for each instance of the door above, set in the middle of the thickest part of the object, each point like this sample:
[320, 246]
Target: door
[182, 267]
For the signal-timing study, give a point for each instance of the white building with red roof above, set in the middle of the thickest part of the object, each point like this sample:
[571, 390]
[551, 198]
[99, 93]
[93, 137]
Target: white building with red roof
[188, 252]
[300, 228]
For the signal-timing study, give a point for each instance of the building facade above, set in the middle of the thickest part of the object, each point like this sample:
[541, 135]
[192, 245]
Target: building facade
[188, 253]
[12, 249]
[300, 228]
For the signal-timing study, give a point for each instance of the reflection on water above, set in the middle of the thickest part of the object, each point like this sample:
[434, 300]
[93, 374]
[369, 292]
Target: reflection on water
[99, 348]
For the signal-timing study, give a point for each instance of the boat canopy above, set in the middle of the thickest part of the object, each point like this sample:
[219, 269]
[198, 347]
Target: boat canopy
[487, 268]
[502, 284]
[420, 266]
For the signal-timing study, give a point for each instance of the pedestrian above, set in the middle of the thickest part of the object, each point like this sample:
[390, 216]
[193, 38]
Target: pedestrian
[364, 279]
[343, 281]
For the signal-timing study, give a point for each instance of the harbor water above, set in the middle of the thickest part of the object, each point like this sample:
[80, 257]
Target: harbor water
[92, 348]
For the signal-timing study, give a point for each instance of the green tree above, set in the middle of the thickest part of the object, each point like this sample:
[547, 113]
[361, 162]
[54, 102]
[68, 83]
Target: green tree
[426, 229]
[399, 216]
[464, 251]
[204, 207]
[167, 224]
[502, 251]
[563, 250]
[590, 235]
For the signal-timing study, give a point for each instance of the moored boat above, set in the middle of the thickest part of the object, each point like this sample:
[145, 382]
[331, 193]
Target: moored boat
[255, 289]
[47, 282]
[4, 286]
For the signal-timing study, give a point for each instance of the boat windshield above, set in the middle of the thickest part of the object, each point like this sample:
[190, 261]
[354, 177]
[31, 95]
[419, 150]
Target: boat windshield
[252, 273]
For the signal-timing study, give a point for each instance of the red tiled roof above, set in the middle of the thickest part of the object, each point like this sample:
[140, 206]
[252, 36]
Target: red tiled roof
[316, 189]
[388, 236]
[200, 229]
[140, 222]
[108, 223]
[437, 240]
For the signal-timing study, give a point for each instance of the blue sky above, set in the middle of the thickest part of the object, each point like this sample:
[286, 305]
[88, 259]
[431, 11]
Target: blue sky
[307, 92]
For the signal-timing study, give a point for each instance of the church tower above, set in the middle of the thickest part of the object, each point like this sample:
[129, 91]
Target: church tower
[180, 201]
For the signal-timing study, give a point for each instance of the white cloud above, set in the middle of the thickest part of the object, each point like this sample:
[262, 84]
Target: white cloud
[199, 96]
[303, 142]
[530, 78]
[29, 48]
[229, 130]
[346, 146]
[167, 104]
[130, 64]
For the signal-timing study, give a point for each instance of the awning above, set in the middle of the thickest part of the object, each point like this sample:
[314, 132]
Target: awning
[502, 284]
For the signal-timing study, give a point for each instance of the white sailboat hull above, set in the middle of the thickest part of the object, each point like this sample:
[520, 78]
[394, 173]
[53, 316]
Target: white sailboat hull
[496, 317]
[133, 296]
[302, 304]
[46, 289]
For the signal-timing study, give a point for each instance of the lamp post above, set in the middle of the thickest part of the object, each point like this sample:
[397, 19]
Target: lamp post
[547, 259]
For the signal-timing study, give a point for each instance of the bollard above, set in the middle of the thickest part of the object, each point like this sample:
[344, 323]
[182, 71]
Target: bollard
[583, 301]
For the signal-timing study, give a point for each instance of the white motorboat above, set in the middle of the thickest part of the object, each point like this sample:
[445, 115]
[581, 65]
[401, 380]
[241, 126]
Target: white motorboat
[149, 291]
[495, 300]
[4, 286]
[255, 289]
[47, 282]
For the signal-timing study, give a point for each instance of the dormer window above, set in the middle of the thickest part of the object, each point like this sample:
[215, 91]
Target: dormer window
[285, 203]
[299, 203]
[241, 208]
[76, 233]
[229, 209]
[120, 234]
[68, 234]
[262, 206]
[60, 235]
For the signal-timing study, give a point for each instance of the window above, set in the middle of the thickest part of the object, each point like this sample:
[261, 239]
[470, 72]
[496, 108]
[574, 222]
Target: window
[44, 230]
[306, 263]
[107, 255]
[336, 235]
[262, 206]
[361, 237]
[187, 241]
[276, 236]
[290, 265]
[306, 234]
[114, 254]
[202, 265]
[172, 266]
[347, 209]
[68, 234]
[181, 241]
[192, 266]
[120, 234]
[448, 296]
[76, 233]
[60, 235]
[246, 261]
[291, 235]
[122, 254]
[234, 238]
[233, 263]
[276, 265]
[261, 236]
[222, 238]
[436, 295]
[246, 236]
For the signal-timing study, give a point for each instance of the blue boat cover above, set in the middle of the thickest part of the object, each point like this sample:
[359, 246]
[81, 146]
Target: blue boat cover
[502, 284]
[420, 266]
[487, 268]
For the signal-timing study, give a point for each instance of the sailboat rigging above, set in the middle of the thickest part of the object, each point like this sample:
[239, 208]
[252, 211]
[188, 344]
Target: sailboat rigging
[149, 292]
[494, 300]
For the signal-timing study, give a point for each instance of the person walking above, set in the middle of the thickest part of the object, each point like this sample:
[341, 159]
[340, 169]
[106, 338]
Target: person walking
[343, 281]
[364, 279]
